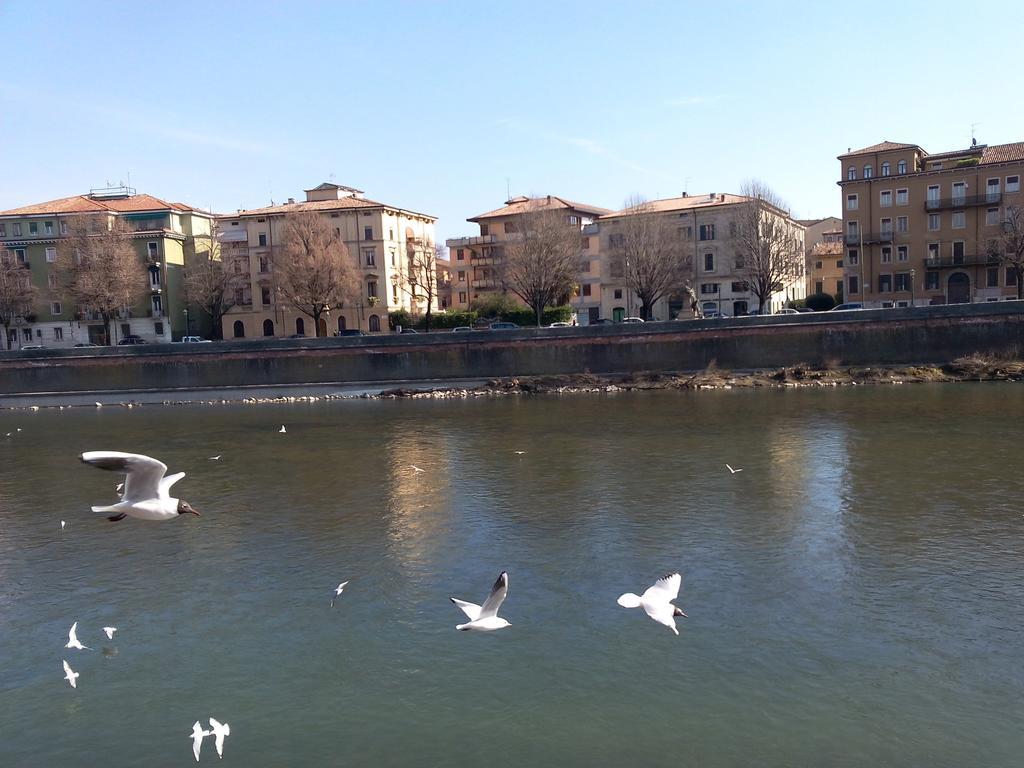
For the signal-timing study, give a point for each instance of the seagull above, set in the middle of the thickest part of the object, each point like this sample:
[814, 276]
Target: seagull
[146, 490]
[214, 458]
[519, 453]
[657, 600]
[220, 730]
[62, 524]
[485, 618]
[733, 471]
[197, 736]
[416, 470]
[70, 675]
[120, 487]
[73, 639]
[340, 588]
[110, 632]
[282, 429]
[99, 404]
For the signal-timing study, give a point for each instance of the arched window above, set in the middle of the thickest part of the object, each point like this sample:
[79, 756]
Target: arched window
[867, 171]
[268, 327]
[885, 168]
[901, 167]
[851, 173]
[374, 324]
[300, 326]
[239, 329]
[341, 323]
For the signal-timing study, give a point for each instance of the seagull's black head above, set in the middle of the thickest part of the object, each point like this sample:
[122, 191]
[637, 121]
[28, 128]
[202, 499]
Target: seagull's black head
[184, 508]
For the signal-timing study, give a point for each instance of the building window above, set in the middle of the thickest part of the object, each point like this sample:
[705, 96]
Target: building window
[618, 293]
[851, 203]
[885, 198]
[374, 324]
[462, 275]
[709, 288]
[158, 306]
[959, 220]
[584, 265]
[58, 334]
[992, 190]
[268, 326]
[262, 239]
[707, 232]
[367, 233]
[685, 233]
[851, 173]
[839, 263]
[265, 295]
[586, 289]
[3, 229]
[991, 216]
[394, 258]
[931, 281]
[55, 308]
[1011, 276]
[885, 283]
[16, 227]
[1013, 183]
[740, 287]
[33, 228]
[584, 243]
[886, 226]
[885, 168]
[933, 194]
[903, 281]
[959, 191]
[958, 251]
[460, 254]
[817, 265]
[901, 167]
[462, 297]
[63, 227]
[852, 256]
[887, 255]
[369, 257]
[371, 289]
[20, 256]
[902, 197]
[709, 262]
[819, 286]
[934, 222]
[992, 277]
[902, 224]
[51, 280]
[868, 171]
[51, 255]
[854, 285]
[902, 253]
[933, 253]
[484, 230]
[48, 227]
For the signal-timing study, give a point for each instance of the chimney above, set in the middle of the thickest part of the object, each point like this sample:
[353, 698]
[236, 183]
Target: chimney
[711, 197]
[549, 198]
[291, 201]
[684, 194]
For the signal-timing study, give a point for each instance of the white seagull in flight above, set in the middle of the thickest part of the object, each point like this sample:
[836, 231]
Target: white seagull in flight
[282, 429]
[197, 736]
[73, 639]
[416, 470]
[657, 600]
[220, 730]
[146, 490]
[731, 470]
[70, 675]
[215, 458]
[337, 591]
[485, 618]
[110, 632]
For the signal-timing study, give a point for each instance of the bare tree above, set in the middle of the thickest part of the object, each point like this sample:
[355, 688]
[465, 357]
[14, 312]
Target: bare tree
[210, 284]
[420, 280]
[541, 263]
[767, 243]
[313, 271]
[1008, 248]
[17, 294]
[102, 270]
[650, 254]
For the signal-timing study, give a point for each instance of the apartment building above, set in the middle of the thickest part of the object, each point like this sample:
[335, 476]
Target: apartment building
[381, 239]
[824, 244]
[709, 226]
[164, 235]
[918, 226]
[476, 259]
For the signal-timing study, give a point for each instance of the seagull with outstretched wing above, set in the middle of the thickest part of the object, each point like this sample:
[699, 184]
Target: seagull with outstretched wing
[147, 487]
[657, 600]
[484, 618]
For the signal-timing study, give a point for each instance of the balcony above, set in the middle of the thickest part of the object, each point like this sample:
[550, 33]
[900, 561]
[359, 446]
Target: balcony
[967, 260]
[963, 201]
[486, 283]
[464, 242]
[869, 238]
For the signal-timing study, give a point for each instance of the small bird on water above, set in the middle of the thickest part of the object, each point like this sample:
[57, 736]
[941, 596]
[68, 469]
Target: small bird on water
[657, 600]
[197, 736]
[282, 429]
[73, 639]
[109, 631]
[70, 675]
[146, 493]
[484, 618]
[337, 592]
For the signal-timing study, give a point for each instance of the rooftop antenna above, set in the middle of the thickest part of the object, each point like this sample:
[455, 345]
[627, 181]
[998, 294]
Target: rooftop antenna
[330, 176]
[686, 186]
[974, 141]
[508, 188]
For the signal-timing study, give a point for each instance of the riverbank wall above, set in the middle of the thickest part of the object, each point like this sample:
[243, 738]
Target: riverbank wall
[920, 335]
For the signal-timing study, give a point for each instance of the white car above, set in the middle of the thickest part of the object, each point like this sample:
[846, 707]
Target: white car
[194, 340]
[560, 325]
[632, 320]
[787, 311]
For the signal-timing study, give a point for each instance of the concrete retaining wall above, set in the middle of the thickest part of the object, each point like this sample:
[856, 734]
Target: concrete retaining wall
[871, 337]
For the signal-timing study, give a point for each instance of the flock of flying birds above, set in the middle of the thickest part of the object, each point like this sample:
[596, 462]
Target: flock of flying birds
[145, 494]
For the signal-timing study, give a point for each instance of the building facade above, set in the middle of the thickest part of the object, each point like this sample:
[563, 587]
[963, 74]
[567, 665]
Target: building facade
[917, 226]
[823, 242]
[381, 240]
[165, 236]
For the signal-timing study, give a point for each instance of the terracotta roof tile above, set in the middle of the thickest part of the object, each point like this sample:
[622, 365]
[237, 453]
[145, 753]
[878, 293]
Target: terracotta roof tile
[86, 204]
[345, 203]
[687, 203]
[883, 146]
[520, 205]
[1003, 153]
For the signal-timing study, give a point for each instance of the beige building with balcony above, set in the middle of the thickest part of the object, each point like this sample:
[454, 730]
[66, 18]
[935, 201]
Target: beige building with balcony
[165, 237]
[380, 238]
[917, 226]
[823, 241]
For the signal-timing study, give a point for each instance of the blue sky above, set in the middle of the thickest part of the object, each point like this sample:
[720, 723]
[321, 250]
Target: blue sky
[437, 106]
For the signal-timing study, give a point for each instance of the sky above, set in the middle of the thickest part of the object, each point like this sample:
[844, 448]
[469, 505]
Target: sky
[445, 107]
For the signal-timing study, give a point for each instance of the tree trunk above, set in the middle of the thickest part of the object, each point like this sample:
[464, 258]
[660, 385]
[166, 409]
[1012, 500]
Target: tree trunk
[539, 309]
[645, 311]
[427, 323]
[1020, 283]
[7, 336]
[316, 323]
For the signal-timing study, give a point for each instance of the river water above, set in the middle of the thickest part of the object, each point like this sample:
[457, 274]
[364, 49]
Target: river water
[855, 594]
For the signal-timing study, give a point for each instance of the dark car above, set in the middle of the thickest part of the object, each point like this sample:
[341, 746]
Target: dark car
[297, 336]
[86, 344]
[504, 326]
[409, 330]
[129, 340]
[350, 332]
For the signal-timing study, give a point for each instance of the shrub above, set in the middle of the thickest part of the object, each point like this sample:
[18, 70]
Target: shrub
[820, 302]
[400, 317]
[449, 319]
[496, 305]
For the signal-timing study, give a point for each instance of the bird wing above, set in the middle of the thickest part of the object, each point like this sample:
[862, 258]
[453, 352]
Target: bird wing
[72, 635]
[496, 598]
[664, 589]
[167, 482]
[142, 473]
[472, 610]
[68, 671]
[663, 613]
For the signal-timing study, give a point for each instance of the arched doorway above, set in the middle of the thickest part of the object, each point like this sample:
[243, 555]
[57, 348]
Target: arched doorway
[341, 323]
[239, 329]
[323, 327]
[268, 327]
[958, 289]
[374, 324]
[300, 326]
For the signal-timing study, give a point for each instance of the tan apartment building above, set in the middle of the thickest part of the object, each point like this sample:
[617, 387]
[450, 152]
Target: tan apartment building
[166, 236]
[708, 225]
[476, 259]
[380, 238]
[823, 242]
[917, 226]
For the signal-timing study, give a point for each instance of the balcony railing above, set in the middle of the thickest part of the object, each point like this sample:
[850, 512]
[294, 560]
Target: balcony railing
[486, 283]
[967, 260]
[867, 238]
[462, 242]
[963, 201]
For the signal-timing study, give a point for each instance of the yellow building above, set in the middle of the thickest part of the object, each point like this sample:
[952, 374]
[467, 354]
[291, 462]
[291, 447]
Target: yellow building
[380, 238]
[918, 226]
[823, 241]
[165, 236]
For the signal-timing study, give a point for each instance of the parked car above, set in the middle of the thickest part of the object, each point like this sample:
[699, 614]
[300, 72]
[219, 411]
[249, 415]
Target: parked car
[632, 320]
[560, 325]
[801, 310]
[194, 340]
[130, 340]
[297, 336]
[714, 314]
[86, 344]
[846, 307]
[409, 330]
[602, 321]
[503, 326]
[787, 311]
[33, 346]
[352, 332]
[461, 329]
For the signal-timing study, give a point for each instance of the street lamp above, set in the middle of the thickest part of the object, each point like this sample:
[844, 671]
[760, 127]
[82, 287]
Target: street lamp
[186, 321]
[912, 273]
